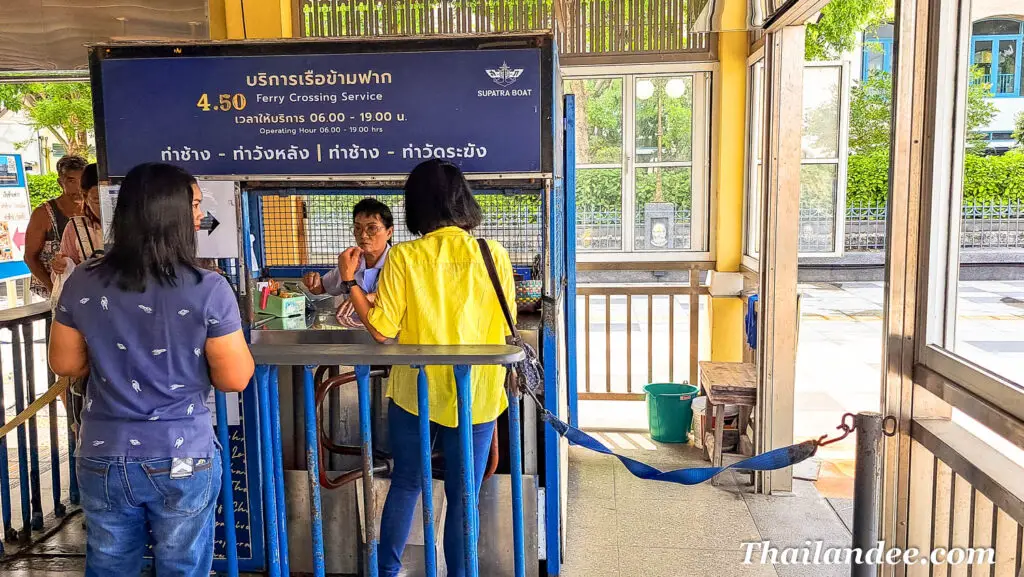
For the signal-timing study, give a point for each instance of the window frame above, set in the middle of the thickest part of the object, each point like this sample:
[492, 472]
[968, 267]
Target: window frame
[841, 161]
[703, 207]
[887, 46]
[993, 74]
[753, 188]
[939, 229]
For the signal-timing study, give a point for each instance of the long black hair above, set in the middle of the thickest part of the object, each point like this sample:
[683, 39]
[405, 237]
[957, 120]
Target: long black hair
[437, 195]
[153, 232]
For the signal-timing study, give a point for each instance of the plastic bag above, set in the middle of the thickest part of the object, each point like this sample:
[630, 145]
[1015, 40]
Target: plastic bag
[58, 283]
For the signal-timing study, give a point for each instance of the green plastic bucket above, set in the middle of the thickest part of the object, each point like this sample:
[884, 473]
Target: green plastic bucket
[668, 411]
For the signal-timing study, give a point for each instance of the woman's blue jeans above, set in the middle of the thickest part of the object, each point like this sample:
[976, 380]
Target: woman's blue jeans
[396, 519]
[121, 496]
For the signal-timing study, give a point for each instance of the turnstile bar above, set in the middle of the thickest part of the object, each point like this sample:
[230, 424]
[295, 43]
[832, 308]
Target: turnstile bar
[278, 452]
[516, 464]
[427, 475]
[313, 470]
[265, 374]
[366, 442]
[470, 512]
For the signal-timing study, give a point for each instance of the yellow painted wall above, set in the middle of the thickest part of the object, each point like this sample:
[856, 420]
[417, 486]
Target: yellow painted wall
[235, 20]
[730, 94]
[238, 20]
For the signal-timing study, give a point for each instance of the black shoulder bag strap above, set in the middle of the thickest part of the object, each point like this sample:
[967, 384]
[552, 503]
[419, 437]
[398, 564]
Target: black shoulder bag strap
[80, 227]
[492, 272]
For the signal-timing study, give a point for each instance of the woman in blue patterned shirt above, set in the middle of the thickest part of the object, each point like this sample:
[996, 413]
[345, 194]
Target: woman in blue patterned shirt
[152, 331]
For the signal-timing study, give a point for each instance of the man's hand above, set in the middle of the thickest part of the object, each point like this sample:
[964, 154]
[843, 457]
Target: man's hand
[348, 263]
[346, 313]
[313, 282]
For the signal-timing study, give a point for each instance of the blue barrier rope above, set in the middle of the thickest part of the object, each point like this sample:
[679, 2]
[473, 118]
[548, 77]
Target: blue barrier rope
[770, 461]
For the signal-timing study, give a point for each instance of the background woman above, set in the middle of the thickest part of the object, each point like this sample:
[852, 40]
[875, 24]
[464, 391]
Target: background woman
[152, 331]
[83, 235]
[372, 226]
[435, 291]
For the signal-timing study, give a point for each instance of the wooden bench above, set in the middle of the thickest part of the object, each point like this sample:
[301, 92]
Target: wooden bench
[726, 384]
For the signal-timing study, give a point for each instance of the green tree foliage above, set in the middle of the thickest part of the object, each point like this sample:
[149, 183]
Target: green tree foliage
[836, 30]
[1018, 131]
[871, 113]
[42, 187]
[62, 108]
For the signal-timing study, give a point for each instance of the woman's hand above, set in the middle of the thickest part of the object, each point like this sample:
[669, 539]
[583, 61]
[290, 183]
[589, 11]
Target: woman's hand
[347, 316]
[348, 262]
[59, 263]
[313, 282]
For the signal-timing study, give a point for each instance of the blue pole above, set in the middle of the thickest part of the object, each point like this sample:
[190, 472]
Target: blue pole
[227, 491]
[264, 374]
[33, 429]
[516, 457]
[366, 441]
[5, 474]
[427, 475]
[313, 470]
[570, 259]
[58, 507]
[466, 473]
[19, 406]
[275, 433]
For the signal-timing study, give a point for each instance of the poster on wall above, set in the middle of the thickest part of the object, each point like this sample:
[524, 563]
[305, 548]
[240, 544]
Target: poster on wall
[14, 215]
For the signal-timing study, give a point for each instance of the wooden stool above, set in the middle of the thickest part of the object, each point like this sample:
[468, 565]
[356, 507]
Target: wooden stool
[726, 384]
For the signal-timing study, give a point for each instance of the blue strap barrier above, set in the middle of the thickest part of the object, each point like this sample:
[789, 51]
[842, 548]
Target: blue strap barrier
[770, 461]
[774, 459]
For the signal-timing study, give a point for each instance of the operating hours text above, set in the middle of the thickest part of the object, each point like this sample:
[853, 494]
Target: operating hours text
[322, 117]
[381, 117]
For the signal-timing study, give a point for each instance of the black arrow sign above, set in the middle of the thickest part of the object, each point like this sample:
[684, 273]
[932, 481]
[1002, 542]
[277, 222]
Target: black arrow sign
[209, 223]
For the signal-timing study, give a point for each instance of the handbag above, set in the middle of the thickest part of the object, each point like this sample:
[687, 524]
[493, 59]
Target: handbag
[528, 374]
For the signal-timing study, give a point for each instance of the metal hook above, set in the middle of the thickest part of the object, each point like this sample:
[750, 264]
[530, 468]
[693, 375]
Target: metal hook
[886, 422]
[845, 428]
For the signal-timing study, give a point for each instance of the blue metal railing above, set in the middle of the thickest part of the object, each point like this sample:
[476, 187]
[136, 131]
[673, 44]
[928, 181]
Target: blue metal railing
[20, 324]
[335, 355]
[38, 521]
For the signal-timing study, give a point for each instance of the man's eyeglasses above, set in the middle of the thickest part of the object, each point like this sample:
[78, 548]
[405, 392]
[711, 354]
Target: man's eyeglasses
[369, 230]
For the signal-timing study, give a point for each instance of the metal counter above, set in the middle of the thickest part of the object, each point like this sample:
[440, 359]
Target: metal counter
[318, 340]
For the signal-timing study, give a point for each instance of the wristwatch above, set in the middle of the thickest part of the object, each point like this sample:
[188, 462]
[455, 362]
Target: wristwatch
[348, 284]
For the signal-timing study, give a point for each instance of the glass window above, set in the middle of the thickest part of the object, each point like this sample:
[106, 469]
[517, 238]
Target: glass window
[996, 27]
[641, 156]
[663, 152]
[755, 143]
[1006, 67]
[996, 56]
[976, 310]
[874, 58]
[821, 196]
[598, 162]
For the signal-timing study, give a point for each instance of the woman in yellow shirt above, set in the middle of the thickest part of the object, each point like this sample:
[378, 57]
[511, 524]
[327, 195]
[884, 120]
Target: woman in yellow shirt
[435, 291]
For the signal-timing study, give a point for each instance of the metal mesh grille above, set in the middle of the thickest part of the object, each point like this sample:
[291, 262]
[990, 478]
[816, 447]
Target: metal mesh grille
[311, 229]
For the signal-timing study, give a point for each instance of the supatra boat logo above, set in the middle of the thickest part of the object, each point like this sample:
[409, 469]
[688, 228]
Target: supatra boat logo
[504, 76]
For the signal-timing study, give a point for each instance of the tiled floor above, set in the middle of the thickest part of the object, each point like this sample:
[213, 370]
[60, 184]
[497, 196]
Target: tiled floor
[623, 526]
